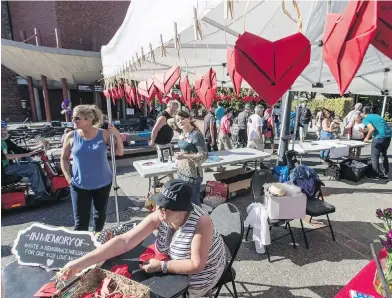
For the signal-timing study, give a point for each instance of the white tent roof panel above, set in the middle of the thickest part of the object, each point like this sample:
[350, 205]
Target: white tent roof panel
[264, 18]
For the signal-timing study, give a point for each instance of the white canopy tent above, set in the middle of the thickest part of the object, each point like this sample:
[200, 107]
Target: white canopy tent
[147, 20]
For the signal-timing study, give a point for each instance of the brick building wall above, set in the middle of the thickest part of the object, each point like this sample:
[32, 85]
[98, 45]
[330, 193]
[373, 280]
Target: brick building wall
[11, 107]
[105, 17]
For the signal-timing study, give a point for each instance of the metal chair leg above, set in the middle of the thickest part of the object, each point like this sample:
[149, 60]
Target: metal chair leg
[234, 289]
[217, 292]
[291, 234]
[247, 233]
[330, 227]
[304, 234]
[268, 255]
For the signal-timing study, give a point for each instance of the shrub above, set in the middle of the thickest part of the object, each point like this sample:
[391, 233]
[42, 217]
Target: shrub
[340, 106]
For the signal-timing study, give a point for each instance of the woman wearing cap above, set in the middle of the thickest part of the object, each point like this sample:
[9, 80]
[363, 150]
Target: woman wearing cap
[91, 177]
[185, 233]
[193, 154]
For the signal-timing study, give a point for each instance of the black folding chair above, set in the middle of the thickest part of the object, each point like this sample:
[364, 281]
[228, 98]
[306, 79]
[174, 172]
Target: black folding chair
[316, 206]
[257, 184]
[229, 224]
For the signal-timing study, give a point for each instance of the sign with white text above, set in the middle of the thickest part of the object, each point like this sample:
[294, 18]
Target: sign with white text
[51, 247]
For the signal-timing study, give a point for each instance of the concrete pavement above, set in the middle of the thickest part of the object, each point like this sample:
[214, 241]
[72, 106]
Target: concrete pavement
[320, 271]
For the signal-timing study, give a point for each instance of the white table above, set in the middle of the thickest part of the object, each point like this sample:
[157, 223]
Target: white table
[240, 155]
[320, 145]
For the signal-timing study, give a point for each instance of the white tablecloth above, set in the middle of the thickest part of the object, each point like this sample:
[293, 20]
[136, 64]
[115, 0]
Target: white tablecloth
[152, 168]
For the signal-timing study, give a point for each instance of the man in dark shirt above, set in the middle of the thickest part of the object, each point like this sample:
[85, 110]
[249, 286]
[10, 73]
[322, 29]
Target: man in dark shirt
[31, 170]
[242, 122]
[162, 133]
[210, 131]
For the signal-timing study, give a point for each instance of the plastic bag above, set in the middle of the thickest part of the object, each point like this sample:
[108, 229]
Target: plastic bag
[281, 173]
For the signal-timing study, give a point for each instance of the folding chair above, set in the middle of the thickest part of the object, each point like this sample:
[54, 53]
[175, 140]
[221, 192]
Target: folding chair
[257, 184]
[229, 224]
[316, 206]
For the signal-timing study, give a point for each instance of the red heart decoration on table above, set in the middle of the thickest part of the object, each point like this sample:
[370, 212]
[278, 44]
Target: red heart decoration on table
[347, 38]
[186, 91]
[269, 67]
[208, 88]
[121, 270]
[198, 83]
[235, 77]
[128, 93]
[382, 40]
[147, 88]
[166, 80]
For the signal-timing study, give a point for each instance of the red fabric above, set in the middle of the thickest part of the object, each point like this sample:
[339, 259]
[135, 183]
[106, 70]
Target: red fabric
[235, 77]
[363, 281]
[208, 88]
[121, 270]
[225, 125]
[151, 253]
[166, 80]
[347, 38]
[271, 68]
[383, 38]
[47, 290]
[128, 93]
[186, 91]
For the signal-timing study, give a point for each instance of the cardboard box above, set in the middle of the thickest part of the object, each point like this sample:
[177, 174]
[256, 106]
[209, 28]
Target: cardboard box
[286, 207]
[237, 180]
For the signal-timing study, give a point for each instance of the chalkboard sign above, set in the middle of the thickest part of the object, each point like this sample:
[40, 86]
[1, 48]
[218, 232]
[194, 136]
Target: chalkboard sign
[51, 247]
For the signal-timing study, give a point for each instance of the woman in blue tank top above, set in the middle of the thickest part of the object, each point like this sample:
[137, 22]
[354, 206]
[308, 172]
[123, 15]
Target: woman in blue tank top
[91, 177]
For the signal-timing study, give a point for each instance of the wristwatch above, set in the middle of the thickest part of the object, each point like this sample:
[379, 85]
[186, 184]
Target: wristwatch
[164, 266]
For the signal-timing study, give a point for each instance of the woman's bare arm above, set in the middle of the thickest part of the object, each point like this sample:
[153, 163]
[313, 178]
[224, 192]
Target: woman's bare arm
[65, 160]
[120, 244]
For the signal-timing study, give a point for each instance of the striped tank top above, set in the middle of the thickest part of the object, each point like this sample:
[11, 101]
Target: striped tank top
[177, 244]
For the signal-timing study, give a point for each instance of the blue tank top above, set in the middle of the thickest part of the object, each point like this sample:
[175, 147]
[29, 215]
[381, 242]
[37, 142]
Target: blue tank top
[90, 168]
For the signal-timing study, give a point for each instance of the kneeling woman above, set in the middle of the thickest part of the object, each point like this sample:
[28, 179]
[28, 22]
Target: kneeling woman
[185, 233]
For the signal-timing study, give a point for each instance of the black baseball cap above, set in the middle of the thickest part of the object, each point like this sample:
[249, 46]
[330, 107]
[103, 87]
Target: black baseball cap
[176, 195]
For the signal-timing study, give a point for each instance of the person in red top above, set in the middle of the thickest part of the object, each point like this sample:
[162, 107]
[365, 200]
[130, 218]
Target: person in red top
[224, 142]
[269, 133]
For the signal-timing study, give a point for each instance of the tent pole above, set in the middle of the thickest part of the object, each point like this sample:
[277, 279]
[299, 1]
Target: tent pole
[283, 140]
[384, 105]
[113, 157]
[296, 121]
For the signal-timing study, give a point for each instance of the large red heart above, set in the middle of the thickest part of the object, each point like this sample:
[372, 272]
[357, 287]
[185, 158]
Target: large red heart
[186, 91]
[208, 88]
[235, 77]
[347, 38]
[269, 67]
[166, 80]
[147, 88]
[383, 38]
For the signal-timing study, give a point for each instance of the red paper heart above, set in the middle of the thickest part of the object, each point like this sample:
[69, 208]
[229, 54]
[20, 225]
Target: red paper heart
[271, 68]
[186, 91]
[106, 93]
[347, 38]
[382, 40]
[208, 88]
[165, 81]
[147, 88]
[235, 77]
[121, 270]
[128, 93]
[160, 97]
[47, 290]
[120, 91]
[198, 83]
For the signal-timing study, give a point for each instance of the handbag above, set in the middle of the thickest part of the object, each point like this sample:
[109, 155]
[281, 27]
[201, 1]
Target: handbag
[333, 172]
